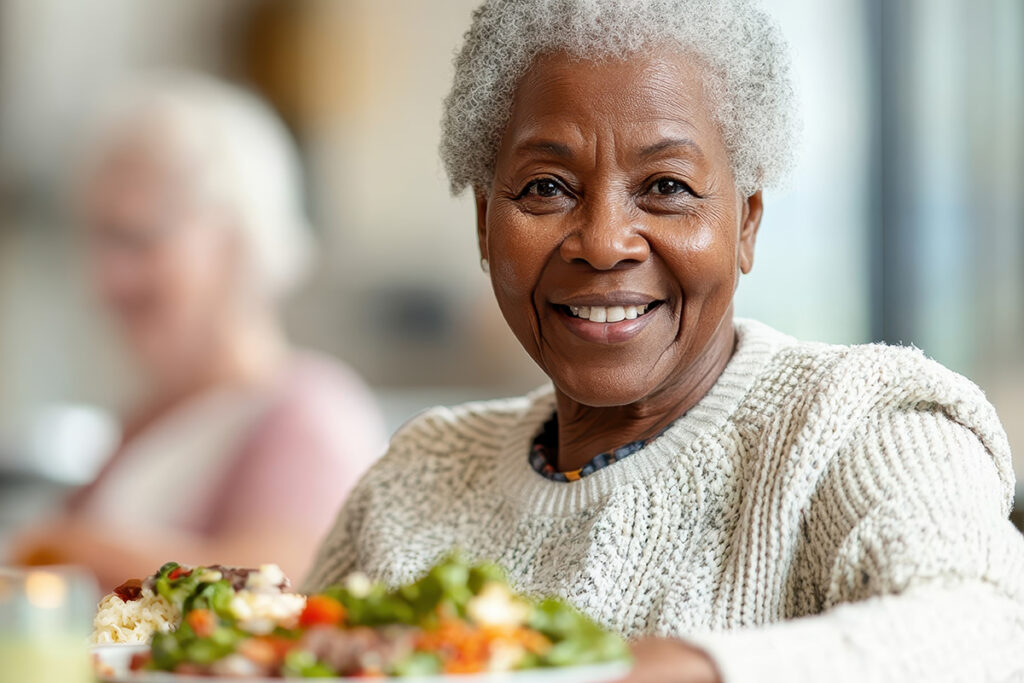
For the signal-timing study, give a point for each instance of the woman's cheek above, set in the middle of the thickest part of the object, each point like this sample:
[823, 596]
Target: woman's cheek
[705, 258]
[516, 262]
[516, 254]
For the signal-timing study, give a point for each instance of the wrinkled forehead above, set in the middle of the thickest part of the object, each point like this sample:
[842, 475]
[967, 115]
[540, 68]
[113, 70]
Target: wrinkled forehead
[640, 100]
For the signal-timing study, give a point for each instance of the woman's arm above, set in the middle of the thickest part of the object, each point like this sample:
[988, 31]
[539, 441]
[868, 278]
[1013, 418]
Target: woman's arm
[931, 634]
[927, 581]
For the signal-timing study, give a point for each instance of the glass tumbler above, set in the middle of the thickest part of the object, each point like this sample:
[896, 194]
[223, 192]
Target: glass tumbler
[45, 617]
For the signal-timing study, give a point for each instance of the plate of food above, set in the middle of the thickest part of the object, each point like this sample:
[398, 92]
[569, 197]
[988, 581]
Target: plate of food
[459, 622]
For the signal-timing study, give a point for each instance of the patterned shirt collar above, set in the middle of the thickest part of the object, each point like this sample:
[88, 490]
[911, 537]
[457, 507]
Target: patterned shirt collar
[544, 453]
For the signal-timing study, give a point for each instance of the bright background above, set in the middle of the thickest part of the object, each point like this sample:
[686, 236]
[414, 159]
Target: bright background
[904, 221]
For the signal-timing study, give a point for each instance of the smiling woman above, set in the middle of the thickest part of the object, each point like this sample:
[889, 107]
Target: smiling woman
[613, 193]
[746, 506]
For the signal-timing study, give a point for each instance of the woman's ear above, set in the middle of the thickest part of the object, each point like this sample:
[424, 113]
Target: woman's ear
[481, 221]
[750, 222]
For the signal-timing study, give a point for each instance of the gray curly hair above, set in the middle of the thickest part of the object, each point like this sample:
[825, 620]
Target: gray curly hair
[747, 75]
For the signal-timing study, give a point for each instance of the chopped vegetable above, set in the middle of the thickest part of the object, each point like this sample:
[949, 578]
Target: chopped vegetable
[178, 572]
[457, 618]
[202, 621]
[323, 610]
[304, 664]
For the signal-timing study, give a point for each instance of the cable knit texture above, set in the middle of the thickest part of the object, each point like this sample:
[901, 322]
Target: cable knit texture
[824, 513]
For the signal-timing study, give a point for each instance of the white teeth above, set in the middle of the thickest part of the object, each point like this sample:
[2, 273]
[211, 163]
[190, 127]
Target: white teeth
[616, 314]
[610, 314]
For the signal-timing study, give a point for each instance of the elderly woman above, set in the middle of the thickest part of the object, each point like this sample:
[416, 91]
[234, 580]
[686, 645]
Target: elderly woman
[745, 506]
[240, 449]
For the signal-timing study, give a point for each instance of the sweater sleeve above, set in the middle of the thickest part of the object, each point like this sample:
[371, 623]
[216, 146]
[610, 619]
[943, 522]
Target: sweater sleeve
[926, 582]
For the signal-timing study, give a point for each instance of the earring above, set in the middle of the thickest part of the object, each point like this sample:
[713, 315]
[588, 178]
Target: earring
[485, 266]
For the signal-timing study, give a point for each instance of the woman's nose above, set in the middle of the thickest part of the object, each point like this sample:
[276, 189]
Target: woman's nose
[606, 237]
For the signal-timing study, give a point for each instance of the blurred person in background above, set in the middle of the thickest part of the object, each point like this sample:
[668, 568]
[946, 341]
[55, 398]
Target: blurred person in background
[242, 448]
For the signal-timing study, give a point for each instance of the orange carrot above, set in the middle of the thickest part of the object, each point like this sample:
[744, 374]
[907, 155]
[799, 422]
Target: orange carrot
[202, 621]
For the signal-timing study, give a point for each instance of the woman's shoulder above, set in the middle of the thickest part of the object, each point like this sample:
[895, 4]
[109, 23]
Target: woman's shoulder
[875, 371]
[844, 384]
[900, 376]
[871, 412]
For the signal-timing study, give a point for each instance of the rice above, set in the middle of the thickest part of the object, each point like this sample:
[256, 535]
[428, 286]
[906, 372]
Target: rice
[134, 621]
[260, 603]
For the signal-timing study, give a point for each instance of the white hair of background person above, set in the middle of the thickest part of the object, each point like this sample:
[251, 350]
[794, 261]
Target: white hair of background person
[246, 162]
[744, 55]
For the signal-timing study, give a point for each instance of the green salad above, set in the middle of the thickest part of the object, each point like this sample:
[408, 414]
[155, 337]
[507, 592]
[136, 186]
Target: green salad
[460, 617]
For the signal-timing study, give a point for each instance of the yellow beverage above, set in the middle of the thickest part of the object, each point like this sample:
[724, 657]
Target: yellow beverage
[44, 624]
[52, 660]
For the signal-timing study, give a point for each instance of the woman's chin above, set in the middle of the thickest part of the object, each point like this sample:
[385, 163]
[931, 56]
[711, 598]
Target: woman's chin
[605, 389]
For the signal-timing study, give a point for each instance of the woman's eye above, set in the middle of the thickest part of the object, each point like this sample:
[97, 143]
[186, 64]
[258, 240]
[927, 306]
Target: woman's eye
[543, 188]
[669, 186]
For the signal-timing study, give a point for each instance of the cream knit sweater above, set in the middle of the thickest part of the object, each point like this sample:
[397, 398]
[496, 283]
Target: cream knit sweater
[825, 513]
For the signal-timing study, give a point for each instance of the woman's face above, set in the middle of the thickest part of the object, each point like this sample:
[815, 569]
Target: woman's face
[613, 227]
[160, 261]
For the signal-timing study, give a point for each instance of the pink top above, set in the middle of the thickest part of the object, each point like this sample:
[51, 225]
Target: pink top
[229, 459]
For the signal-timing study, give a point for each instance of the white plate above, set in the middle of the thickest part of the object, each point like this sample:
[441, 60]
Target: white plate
[115, 657]
[118, 658]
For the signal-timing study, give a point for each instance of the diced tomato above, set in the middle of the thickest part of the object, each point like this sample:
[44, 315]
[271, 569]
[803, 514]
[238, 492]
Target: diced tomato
[179, 572]
[139, 661]
[202, 621]
[322, 610]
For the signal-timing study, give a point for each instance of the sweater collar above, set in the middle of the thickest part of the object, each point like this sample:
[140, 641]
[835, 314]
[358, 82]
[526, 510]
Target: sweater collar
[756, 343]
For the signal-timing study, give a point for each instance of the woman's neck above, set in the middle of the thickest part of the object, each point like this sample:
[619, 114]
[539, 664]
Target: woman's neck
[585, 431]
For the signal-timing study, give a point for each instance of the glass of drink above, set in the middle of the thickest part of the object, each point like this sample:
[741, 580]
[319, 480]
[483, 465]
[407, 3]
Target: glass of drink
[45, 616]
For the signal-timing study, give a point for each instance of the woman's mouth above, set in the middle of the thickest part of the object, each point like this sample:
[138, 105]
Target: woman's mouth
[608, 324]
[609, 314]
